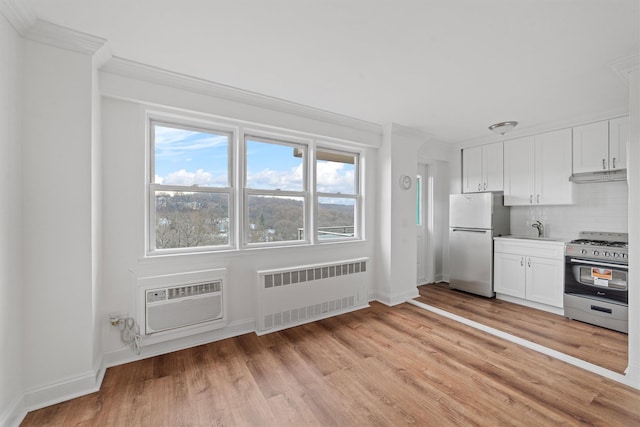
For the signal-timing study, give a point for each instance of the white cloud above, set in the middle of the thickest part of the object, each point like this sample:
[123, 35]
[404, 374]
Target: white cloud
[183, 177]
[272, 180]
[332, 177]
[169, 141]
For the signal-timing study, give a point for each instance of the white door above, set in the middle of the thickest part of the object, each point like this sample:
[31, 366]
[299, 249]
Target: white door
[519, 171]
[545, 281]
[509, 274]
[421, 223]
[553, 168]
[618, 140]
[591, 147]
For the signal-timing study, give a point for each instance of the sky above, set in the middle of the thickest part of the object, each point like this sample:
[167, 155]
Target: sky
[188, 157]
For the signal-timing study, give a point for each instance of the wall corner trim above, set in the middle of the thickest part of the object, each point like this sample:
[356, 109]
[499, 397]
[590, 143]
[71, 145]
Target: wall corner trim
[66, 389]
[14, 414]
[65, 38]
[19, 15]
[623, 66]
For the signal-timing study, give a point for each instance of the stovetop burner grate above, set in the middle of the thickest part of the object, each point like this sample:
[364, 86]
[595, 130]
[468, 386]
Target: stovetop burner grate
[600, 243]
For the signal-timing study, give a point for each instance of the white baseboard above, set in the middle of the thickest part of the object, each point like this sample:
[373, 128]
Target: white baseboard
[63, 390]
[126, 355]
[396, 298]
[14, 414]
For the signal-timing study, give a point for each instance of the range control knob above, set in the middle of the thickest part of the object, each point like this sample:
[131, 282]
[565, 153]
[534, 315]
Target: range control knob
[607, 254]
[583, 252]
[623, 256]
[616, 255]
[596, 253]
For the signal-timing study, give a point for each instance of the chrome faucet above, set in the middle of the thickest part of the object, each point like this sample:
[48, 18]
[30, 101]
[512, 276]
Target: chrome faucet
[538, 226]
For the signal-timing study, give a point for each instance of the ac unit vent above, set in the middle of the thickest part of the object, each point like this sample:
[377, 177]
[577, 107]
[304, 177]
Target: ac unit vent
[306, 275]
[180, 306]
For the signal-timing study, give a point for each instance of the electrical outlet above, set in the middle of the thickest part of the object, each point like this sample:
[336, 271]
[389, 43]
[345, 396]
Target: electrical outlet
[116, 318]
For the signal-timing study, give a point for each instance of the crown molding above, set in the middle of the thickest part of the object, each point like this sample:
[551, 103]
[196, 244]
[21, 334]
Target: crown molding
[623, 66]
[65, 38]
[409, 132]
[19, 15]
[147, 73]
[547, 127]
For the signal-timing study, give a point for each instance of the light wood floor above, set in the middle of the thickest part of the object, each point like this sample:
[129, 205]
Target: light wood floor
[602, 347]
[379, 366]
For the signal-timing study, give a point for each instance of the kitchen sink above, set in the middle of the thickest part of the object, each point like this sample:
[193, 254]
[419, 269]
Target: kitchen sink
[548, 239]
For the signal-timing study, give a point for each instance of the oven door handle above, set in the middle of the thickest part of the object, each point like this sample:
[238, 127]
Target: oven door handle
[601, 264]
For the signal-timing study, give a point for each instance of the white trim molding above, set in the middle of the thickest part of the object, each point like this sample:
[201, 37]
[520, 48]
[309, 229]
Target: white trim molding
[19, 15]
[623, 66]
[147, 73]
[65, 38]
[63, 390]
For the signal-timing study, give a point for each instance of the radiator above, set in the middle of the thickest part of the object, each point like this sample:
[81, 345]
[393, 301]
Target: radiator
[301, 294]
[179, 302]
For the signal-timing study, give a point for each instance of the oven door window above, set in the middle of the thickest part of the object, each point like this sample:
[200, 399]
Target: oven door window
[600, 277]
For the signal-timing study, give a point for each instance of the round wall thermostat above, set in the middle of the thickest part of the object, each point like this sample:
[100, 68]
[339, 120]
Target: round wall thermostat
[405, 182]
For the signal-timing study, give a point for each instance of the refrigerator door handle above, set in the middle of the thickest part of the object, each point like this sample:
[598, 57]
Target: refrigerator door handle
[470, 230]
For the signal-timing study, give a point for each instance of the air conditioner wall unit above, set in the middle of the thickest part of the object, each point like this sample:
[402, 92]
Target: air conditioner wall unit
[171, 306]
[180, 306]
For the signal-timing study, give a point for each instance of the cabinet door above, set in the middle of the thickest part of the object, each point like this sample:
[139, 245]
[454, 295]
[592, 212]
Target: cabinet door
[492, 167]
[618, 140]
[545, 281]
[472, 170]
[519, 171]
[591, 147]
[553, 168]
[509, 274]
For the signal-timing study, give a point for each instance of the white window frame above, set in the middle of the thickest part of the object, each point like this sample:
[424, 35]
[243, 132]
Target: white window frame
[356, 196]
[153, 187]
[248, 192]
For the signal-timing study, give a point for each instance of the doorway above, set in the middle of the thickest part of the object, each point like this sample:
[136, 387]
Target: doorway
[423, 215]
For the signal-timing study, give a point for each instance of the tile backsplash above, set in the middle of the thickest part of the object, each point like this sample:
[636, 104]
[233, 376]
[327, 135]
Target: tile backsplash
[598, 207]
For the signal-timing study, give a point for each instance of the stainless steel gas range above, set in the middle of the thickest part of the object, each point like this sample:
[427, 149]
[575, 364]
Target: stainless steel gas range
[595, 285]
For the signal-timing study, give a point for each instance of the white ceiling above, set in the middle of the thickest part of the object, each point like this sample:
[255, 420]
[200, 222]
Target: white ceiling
[447, 67]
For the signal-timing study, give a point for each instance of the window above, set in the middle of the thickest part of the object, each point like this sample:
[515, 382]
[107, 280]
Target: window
[337, 194]
[190, 188]
[209, 188]
[275, 191]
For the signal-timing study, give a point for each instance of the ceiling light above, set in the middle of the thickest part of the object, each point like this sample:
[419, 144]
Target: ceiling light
[503, 127]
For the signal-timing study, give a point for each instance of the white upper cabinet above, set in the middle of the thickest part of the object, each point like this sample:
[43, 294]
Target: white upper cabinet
[537, 169]
[618, 141]
[601, 146]
[482, 168]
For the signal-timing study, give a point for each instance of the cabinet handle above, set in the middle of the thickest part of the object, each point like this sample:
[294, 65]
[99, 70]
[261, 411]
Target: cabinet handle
[522, 262]
[479, 187]
[538, 198]
[604, 163]
[531, 199]
[529, 262]
[614, 162]
[485, 185]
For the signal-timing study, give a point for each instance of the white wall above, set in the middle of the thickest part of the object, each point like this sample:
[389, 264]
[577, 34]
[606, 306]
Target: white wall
[124, 190]
[57, 222]
[11, 306]
[597, 207]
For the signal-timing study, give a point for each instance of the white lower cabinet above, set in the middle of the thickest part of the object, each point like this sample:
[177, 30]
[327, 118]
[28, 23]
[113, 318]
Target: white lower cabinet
[531, 270]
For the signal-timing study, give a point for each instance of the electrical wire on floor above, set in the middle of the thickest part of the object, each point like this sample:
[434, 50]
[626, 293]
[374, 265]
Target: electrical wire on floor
[130, 333]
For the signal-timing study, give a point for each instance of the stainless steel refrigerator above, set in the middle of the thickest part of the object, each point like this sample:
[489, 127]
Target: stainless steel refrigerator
[474, 220]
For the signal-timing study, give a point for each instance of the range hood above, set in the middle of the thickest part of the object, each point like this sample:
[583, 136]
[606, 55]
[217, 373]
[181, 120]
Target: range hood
[604, 176]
